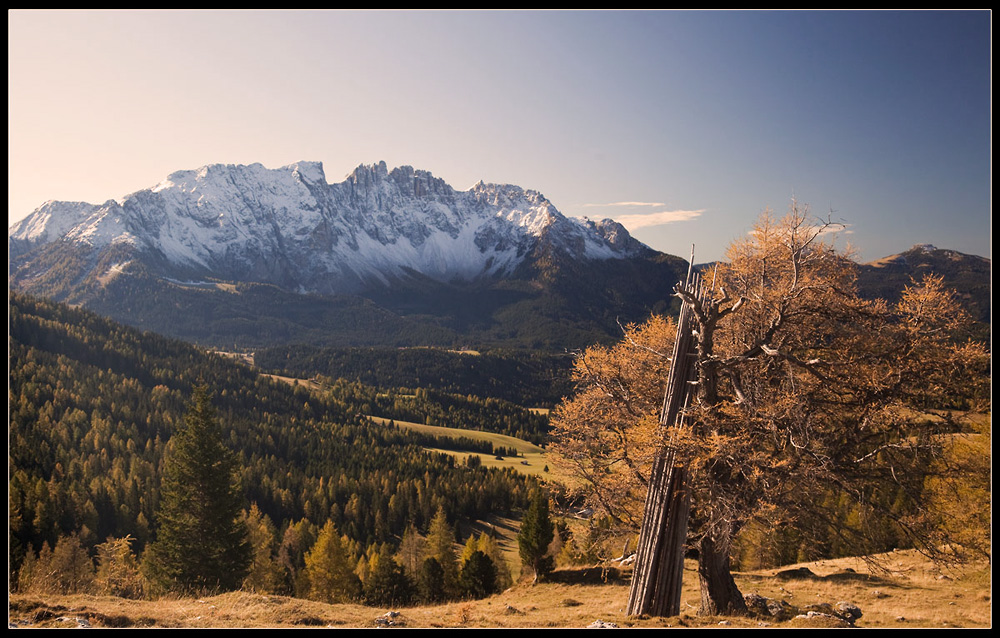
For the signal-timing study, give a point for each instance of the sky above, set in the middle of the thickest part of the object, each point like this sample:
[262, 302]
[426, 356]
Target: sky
[683, 125]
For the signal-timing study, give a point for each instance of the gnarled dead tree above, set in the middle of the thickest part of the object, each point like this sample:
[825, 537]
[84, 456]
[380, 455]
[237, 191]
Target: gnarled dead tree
[804, 396]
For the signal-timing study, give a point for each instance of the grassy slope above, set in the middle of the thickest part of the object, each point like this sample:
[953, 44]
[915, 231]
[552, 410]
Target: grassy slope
[917, 594]
[531, 459]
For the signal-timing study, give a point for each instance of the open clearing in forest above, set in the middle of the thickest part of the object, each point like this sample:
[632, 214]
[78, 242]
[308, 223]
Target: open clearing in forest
[530, 459]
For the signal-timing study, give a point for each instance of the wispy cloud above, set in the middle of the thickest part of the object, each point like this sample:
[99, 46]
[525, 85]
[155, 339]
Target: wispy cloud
[835, 228]
[640, 220]
[625, 204]
[634, 220]
[839, 228]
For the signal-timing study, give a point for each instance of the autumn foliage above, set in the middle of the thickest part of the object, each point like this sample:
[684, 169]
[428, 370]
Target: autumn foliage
[814, 409]
[608, 433]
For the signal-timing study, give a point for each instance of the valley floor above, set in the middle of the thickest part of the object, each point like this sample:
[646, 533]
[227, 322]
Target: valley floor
[916, 594]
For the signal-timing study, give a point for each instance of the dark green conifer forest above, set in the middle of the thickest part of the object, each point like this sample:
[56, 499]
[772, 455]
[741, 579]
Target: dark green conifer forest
[96, 412]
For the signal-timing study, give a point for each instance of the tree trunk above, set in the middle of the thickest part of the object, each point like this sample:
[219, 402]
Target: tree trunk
[719, 593]
[659, 565]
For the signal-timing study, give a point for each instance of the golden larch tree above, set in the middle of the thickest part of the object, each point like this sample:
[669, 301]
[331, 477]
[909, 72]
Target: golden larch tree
[803, 389]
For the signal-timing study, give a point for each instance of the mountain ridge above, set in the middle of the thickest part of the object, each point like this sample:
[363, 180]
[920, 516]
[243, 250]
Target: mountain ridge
[970, 276]
[245, 256]
[289, 227]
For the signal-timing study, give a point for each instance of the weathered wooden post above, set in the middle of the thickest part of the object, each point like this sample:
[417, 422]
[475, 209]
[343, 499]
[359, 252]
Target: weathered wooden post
[659, 565]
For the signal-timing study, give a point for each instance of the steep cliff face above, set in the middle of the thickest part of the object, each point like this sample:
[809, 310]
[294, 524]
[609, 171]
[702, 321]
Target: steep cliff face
[290, 227]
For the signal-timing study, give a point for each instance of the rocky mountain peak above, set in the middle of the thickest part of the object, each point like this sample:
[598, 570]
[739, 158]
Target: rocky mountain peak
[290, 227]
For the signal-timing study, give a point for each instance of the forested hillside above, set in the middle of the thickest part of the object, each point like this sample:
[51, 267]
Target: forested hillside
[93, 406]
[528, 378]
[433, 407]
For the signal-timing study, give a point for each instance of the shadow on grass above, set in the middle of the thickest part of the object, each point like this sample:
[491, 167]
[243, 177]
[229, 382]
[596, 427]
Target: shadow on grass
[852, 576]
[588, 576]
[846, 576]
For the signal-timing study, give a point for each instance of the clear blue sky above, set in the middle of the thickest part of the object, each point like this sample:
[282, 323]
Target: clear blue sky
[698, 120]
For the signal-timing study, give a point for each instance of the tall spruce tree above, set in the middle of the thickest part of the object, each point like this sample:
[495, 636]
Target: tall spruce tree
[537, 532]
[202, 542]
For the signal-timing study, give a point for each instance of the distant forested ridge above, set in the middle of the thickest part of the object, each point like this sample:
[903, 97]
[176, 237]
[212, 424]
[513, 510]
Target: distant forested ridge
[93, 405]
[433, 407]
[970, 276]
[530, 379]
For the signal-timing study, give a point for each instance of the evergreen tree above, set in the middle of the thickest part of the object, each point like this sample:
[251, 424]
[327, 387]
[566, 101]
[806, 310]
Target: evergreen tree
[488, 545]
[441, 546]
[71, 569]
[430, 581]
[66, 569]
[328, 570]
[295, 542]
[28, 574]
[387, 582]
[479, 576]
[118, 570]
[201, 544]
[537, 532]
[412, 548]
[266, 574]
[470, 547]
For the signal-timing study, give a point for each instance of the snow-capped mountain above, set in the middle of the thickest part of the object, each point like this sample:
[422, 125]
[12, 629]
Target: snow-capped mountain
[290, 227]
[226, 255]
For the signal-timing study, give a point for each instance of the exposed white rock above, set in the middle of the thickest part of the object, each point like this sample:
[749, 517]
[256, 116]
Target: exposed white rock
[290, 227]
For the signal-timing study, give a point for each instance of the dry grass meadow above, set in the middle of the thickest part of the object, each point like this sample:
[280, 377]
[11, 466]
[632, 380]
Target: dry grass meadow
[915, 594]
